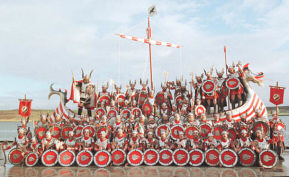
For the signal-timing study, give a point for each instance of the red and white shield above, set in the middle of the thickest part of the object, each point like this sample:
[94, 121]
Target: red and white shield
[247, 157]
[100, 112]
[142, 97]
[15, 156]
[212, 157]
[166, 157]
[181, 157]
[84, 158]
[232, 83]
[280, 126]
[49, 157]
[65, 130]
[135, 157]
[178, 99]
[118, 157]
[125, 113]
[217, 131]
[189, 131]
[268, 158]
[232, 134]
[199, 110]
[31, 159]
[105, 99]
[55, 132]
[112, 113]
[162, 127]
[120, 98]
[160, 98]
[228, 158]
[261, 126]
[208, 86]
[78, 131]
[103, 128]
[91, 130]
[66, 158]
[147, 108]
[102, 158]
[175, 131]
[136, 112]
[151, 157]
[40, 133]
[205, 129]
[197, 157]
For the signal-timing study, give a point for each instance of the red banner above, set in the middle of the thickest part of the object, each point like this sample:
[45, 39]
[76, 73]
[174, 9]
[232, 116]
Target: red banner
[25, 107]
[276, 95]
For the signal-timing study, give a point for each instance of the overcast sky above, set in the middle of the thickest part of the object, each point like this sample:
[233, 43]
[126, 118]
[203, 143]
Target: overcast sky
[42, 41]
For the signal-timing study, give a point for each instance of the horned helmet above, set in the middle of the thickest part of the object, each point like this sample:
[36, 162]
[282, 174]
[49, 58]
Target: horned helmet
[231, 69]
[209, 74]
[144, 84]
[86, 78]
[200, 78]
[118, 89]
[164, 87]
[220, 74]
[105, 87]
[132, 84]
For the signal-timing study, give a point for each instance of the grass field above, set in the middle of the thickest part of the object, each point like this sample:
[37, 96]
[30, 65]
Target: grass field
[12, 115]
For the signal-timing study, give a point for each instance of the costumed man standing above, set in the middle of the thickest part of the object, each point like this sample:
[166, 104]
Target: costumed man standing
[83, 93]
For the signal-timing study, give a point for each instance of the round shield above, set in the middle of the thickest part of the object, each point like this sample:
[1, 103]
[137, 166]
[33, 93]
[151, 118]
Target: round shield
[66, 158]
[142, 97]
[268, 159]
[147, 108]
[78, 131]
[280, 126]
[55, 132]
[136, 112]
[151, 157]
[84, 158]
[40, 133]
[205, 129]
[232, 83]
[64, 132]
[49, 157]
[199, 110]
[178, 99]
[247, 157]
[102, 158]
[135, 157]
[166, 157]
[208, 86]
[232, 134]
[212, 157]
[261, 126]
[112, 113]
[102, 128]
[100, 112]
[217, 132]
[118, 157]
[228, 158]
[175, 131]
[160, 98]
[31, 159]
[120, 98]
[105, 99]
[125, 113]
[162, 127]
[197, 157]
[244, 127]
[181, 157]
[91, 130]
[189, 131]
[15, 156]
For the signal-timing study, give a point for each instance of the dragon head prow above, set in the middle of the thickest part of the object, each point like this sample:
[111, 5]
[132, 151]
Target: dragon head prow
[62, 95]
[250, 76]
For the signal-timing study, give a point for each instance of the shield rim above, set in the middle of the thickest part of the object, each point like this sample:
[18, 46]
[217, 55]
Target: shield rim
[12, 150]
[164, 164]
[105, 96]
[232, 88]
[118, 164]
[201, 129]
[125, 110]
[156, 131]
[191, 126]
[179, 164]
[158, 157]
[254, 156]
[218, 126]
[122, 102]
[100, 109]
[203, 84]
[26, 159]
[56, 126]
[84, 165]
[236, 135]
[67, 126]
[277, 123]
[196, 113]
[109, 158]
[226, 165]
[261, 122]
[99, 130]
[163, 98]
[38, 133]
[266, 166]
[82, 132]
[142, 94]
[202, 161]
[112, 110]
[151, 107]
[66, 165]
[208, 163]
[74, 130]
[138, 110]
[49, 165]
[142, 157]
[175, 127]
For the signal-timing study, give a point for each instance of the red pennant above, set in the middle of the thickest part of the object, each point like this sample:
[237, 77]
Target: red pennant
[25, 107]
[276, 95]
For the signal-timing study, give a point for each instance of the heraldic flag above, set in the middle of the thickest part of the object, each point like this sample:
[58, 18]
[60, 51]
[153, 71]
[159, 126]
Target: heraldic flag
[276, 95]
[25, 107]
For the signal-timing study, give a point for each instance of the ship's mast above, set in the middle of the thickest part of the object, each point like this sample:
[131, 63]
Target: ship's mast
[149, 34]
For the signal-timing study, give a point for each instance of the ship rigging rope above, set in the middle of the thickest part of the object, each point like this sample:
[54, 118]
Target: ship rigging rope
[144, 21]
